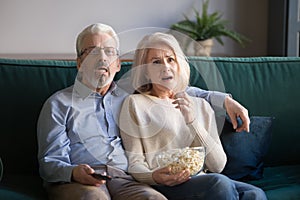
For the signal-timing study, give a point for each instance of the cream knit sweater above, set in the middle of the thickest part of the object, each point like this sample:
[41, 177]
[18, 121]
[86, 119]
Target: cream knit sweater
[150, 125]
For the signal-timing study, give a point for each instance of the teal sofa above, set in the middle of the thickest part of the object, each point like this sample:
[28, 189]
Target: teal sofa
[267, 86]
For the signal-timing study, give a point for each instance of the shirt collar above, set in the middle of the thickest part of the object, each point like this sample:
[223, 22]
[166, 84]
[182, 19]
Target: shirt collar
[83, 91]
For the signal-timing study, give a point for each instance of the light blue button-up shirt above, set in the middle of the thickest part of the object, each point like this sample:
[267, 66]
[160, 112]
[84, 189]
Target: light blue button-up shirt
[79, 126]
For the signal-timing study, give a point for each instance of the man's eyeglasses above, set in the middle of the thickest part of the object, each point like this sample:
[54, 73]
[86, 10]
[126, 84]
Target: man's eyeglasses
[93, 50]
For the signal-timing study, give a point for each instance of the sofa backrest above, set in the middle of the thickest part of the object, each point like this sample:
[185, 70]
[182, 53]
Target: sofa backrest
[24, 86]
[266, 86]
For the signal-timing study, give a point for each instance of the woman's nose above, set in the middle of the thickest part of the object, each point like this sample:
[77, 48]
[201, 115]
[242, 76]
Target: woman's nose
[166, 66]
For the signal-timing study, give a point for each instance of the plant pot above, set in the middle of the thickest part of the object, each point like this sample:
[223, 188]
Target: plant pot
[203, 47]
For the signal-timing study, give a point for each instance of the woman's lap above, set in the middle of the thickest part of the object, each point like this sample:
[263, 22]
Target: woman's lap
[211, 186]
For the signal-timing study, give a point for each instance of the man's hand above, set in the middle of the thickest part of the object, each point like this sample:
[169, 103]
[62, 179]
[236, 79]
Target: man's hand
[82, 174]
[165, 177]
[234, 110]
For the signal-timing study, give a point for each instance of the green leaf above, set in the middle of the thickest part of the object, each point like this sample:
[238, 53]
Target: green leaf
[207, 26]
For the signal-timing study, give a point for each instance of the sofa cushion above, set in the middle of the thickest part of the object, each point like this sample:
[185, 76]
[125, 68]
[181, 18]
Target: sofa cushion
[20, 185]
[13, 195]
[266, 86]
[245, 151]
[25, 85]
[281, 182]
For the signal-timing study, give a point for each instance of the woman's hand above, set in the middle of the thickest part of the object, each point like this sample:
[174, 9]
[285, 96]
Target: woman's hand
[185, 105]
[165, 177]
[82, 174]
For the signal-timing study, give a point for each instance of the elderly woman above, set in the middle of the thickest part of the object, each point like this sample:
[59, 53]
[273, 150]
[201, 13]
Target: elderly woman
[163, 117]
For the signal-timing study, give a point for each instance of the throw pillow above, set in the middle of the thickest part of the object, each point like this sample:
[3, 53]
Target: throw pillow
[245, 151]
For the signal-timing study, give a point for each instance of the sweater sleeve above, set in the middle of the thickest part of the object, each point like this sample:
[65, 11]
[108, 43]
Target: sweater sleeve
[132, 141]
[206, 132]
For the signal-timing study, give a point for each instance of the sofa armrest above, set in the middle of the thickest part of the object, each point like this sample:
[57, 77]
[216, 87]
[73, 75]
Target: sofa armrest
[1, 169]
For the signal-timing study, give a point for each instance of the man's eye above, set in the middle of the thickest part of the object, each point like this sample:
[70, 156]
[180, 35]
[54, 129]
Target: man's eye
[94, 51]
[109, 52]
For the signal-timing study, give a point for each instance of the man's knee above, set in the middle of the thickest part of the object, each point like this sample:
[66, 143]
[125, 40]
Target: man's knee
[94, 193]
[77, 191]
[147, 193]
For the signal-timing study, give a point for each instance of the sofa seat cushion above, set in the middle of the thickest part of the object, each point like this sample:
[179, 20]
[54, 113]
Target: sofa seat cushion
[20, 185]
[282, 182]
[6, 193]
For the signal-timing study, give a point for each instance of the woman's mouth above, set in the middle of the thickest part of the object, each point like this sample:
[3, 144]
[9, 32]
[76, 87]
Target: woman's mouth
[167, 78]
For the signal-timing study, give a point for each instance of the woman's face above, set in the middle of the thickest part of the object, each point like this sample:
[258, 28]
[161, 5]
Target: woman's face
[162, 69]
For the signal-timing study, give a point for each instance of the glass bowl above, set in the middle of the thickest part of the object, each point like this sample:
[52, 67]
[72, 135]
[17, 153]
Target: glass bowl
[189, 158]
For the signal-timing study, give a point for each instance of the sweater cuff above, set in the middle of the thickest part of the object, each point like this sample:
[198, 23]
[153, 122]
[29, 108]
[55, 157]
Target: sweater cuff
[144, 178]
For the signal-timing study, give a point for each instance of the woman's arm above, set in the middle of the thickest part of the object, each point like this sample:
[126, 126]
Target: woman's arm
[200, 118]
[205, 129]
[132, 141]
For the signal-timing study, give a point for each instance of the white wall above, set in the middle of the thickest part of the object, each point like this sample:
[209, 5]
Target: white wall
[48, 28]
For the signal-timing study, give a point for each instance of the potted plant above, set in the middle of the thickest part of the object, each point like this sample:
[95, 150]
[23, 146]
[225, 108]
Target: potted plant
[205, 27]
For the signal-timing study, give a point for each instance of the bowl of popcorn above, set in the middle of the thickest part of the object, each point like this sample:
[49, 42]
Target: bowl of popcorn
[189, 158]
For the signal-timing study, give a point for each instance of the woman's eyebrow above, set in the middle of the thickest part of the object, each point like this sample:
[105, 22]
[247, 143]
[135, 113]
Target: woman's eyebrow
[155, 57]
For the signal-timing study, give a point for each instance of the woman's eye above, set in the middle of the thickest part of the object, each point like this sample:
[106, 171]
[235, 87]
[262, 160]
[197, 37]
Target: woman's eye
[170, 60]
[156, 62]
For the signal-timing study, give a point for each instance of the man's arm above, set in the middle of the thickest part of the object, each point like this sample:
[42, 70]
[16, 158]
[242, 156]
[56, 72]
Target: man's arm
[216, 99]
[220, 101]
[53, 148]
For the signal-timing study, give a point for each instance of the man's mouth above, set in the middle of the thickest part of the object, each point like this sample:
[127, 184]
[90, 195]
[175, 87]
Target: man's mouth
[104, 69]
[102, 66]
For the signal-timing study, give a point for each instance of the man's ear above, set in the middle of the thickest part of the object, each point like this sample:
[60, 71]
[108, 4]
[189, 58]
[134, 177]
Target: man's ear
[119, 64]
[78, 60]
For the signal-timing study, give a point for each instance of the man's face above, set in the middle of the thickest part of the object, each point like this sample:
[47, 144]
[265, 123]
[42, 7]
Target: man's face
[98, 62]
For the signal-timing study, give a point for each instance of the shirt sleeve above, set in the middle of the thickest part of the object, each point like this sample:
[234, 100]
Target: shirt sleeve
[53, 143]
[215, 98]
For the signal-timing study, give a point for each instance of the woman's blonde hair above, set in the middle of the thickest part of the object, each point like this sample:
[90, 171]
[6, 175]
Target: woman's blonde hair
[140, 81]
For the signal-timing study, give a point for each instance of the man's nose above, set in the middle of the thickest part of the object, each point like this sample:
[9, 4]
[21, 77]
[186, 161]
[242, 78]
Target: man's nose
[102, 55]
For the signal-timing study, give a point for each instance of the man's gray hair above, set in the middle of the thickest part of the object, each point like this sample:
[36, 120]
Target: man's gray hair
[97, 28]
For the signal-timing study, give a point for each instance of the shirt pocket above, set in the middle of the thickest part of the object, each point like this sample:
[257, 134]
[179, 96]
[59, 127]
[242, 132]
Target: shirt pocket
[84, 128]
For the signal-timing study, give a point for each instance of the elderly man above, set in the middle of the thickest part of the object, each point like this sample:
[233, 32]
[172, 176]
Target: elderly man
[77, 130]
